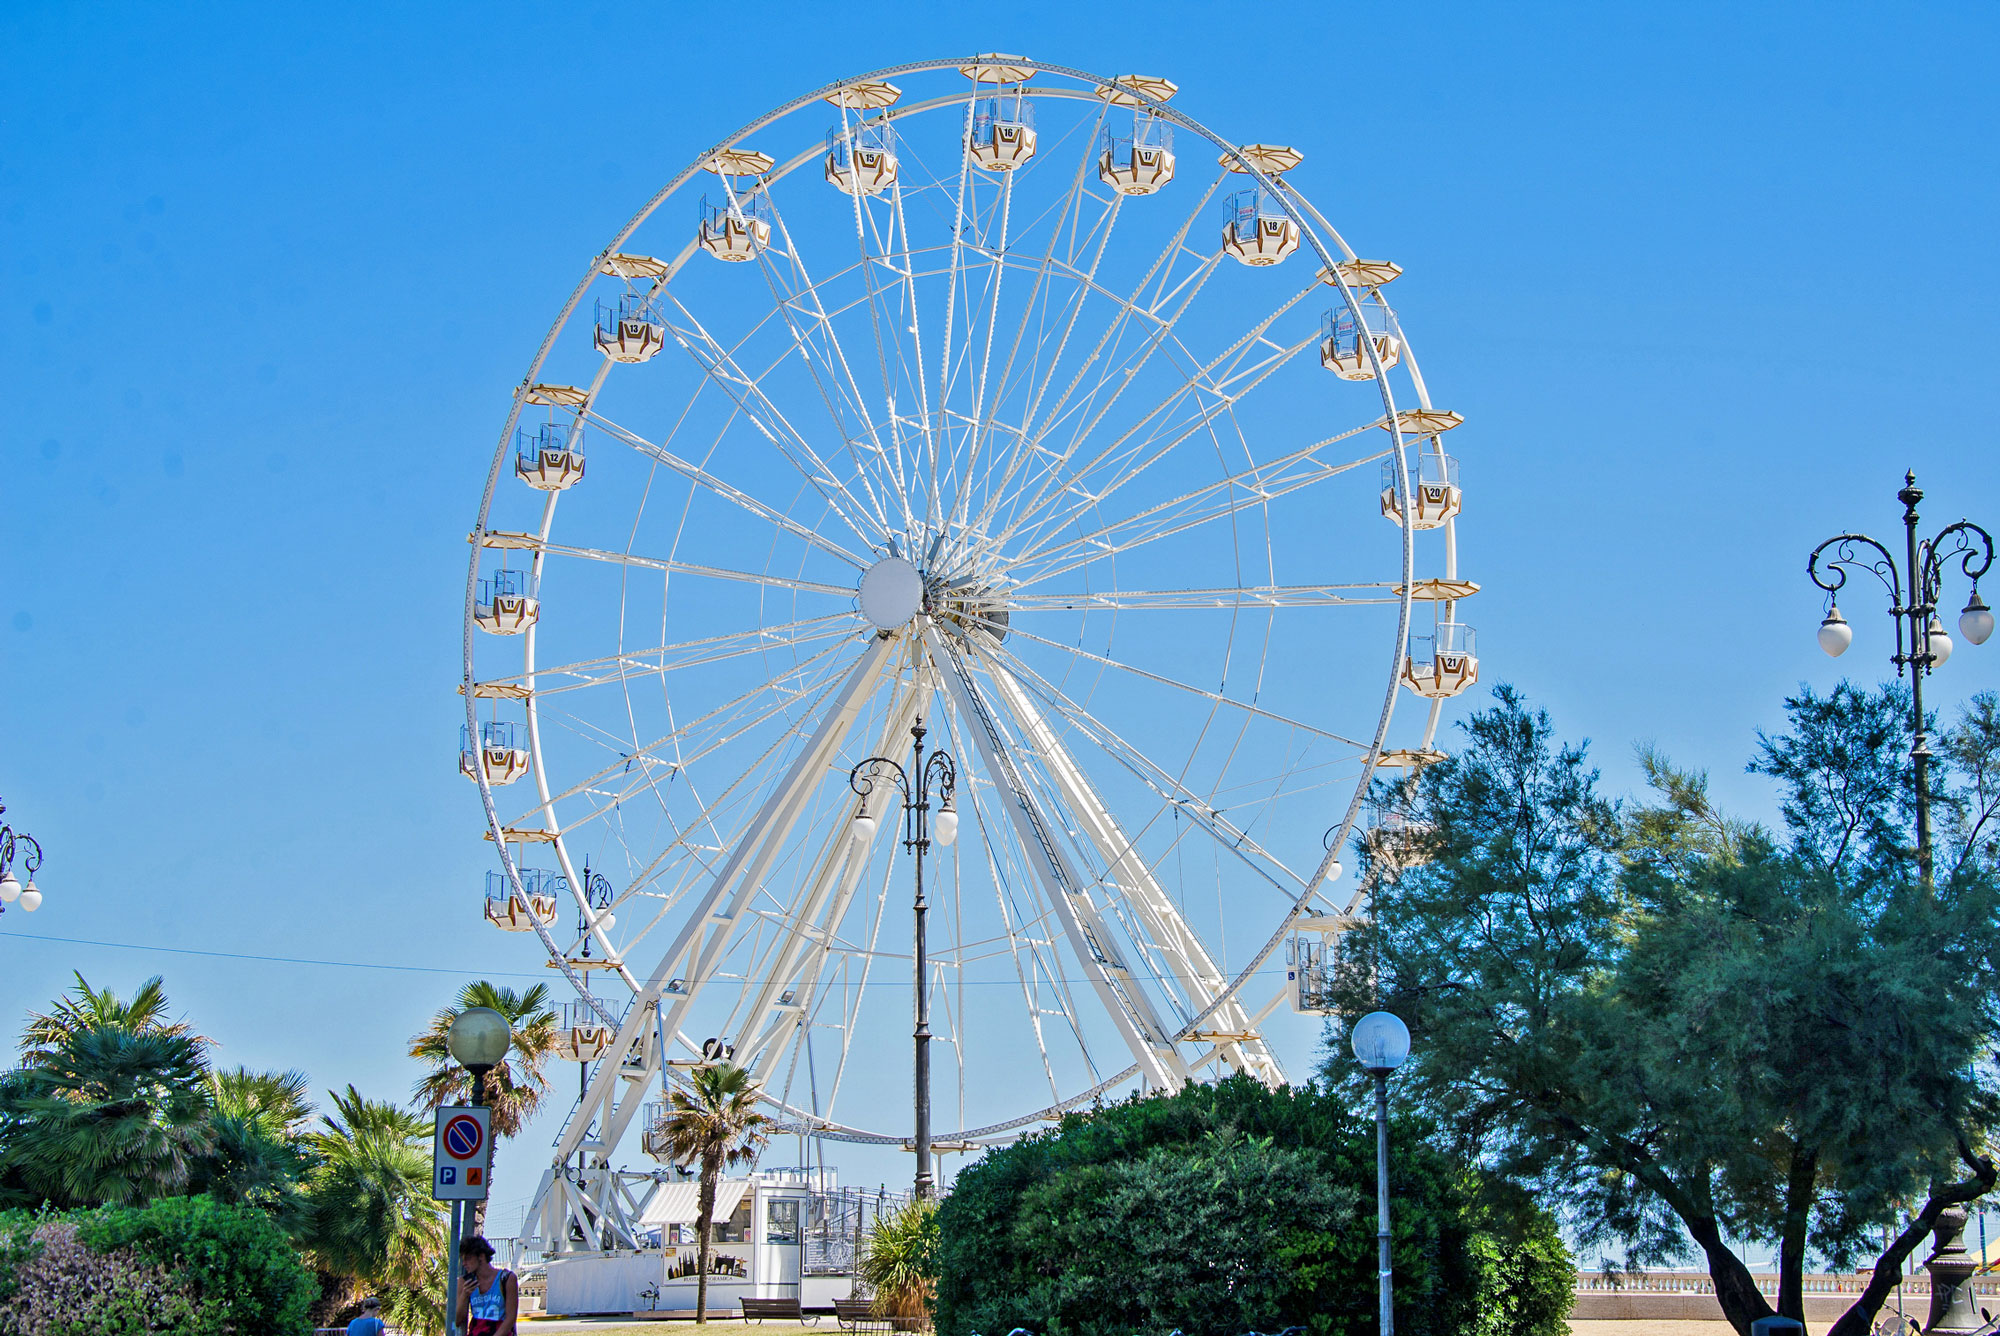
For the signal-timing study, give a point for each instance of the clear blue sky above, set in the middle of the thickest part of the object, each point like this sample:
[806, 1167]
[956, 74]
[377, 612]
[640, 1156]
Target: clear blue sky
[1703, 278]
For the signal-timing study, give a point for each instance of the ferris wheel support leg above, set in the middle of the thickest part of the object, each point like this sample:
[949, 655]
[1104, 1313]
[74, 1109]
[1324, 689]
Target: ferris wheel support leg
[712, 921]
[797, 963]
[1150, 1040]
[1183, 953]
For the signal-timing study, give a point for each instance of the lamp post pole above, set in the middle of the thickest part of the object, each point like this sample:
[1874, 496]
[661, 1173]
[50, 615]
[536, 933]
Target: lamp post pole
[477, 1039]
[13, 891]
[1381, 1044]
[939, 773]
[1913, 594]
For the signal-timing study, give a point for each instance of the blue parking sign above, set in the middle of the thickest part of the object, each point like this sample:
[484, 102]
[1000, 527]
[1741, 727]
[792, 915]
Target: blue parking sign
[447, 1175]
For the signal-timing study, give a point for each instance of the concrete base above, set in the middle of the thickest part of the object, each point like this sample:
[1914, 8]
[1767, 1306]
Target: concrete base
[1629, 1306]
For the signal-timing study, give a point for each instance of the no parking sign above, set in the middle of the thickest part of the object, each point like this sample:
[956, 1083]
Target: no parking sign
[462, 1154]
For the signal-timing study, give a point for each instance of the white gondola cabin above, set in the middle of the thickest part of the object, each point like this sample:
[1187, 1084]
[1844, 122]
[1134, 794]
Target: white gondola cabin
[1443, 663]
[861, 158]
[1002, 136]
[585, 1036]
[503, 606]
[737, 225]
[549, 456]
[1258, 232]
[1309, 961]
[1344, 342]
[1434, 492]
[511, 910]
[627, 330]
[1140, 162]
[500, 752]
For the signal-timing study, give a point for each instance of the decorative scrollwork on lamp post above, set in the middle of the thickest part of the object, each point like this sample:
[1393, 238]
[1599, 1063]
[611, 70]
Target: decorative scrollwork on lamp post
[14, 891]
[1921, 641]
[939, 774]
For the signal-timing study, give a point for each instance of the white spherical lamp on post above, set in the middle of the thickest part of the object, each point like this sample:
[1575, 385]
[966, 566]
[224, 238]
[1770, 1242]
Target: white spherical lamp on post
[1382, 1044]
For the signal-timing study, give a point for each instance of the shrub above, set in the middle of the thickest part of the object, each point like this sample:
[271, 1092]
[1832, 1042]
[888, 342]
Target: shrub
[236, 1263]
[66, 1288]
[900, 1264]
[1229, 1208]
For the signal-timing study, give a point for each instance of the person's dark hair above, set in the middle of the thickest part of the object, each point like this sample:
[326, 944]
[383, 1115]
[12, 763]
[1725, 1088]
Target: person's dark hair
[475, 1244]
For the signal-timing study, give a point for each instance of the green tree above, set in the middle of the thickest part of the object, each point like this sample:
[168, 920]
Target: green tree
[714, 1122]
[1679, 1027]
[1228, 1208]
[242, 1271]
[87, 1008]
[515, 1088]
[106, 1114]
[375, 1225]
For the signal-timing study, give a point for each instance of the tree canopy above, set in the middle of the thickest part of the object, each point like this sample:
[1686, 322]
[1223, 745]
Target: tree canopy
[1679, 1026]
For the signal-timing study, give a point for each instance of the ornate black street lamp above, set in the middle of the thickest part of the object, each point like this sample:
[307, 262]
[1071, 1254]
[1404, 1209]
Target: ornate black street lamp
[1913, 594]
[939, 773]
[13, 891]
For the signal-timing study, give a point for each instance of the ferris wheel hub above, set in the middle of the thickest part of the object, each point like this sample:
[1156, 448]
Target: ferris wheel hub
[892, 593]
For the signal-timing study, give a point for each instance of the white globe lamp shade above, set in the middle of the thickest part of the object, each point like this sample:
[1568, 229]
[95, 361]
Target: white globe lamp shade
[1381, 1043]
[31, 898]
[479, 1038]
[1334, 871]
[946, 825]
[606, 922]
[10, 889]
[1835, 635]
[863, 829]
[1976, 622]
[1937, 642]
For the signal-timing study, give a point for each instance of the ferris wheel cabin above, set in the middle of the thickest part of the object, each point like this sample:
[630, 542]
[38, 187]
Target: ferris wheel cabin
[1140, 162]
[1434, 492]
[1344, 342]
[503, 607]
[738, 226]
[627, 331]
[550, 458]
[511, 911]
[585, 1036]
[1258, 231]
[500, 752]
[861, 159]
[1003, 132]
[1442, 664]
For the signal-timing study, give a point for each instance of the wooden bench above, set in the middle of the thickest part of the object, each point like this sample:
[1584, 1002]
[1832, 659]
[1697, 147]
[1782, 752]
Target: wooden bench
[781, 1310]
[858, 1315]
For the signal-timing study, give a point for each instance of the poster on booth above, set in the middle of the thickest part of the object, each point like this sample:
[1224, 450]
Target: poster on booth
[462, 1154]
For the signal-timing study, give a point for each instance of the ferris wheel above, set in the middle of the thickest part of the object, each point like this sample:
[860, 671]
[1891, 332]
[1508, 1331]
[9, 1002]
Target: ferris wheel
[1006, 401]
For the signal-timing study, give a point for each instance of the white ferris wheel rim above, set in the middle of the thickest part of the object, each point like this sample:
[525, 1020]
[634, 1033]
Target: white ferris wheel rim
[1326, 246]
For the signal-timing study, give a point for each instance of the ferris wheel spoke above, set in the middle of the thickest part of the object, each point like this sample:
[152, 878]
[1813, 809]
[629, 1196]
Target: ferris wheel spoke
[1200, 808]
[663, 659]
[736, 496]
[1246, 489]
[1244, 596]
[1070, 215]
[1131, 1009]
[694, 568]
[1225, 395]
[847, 387]
[1129, 308]
[780, 699]
[747, 393]
[1214, 697]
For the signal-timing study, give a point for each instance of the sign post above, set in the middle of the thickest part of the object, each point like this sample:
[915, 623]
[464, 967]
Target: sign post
[461, 1171]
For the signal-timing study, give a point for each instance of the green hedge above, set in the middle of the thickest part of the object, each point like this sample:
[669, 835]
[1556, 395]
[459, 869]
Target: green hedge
[1231, 1208]
[227, 1271]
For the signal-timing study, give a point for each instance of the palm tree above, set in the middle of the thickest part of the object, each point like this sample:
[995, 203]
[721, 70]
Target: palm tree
[107, 1114]
[276, 1101]
[515, 1088]
[900, 1264]
[375, 1225]
[717, 1123]
[84, 1007]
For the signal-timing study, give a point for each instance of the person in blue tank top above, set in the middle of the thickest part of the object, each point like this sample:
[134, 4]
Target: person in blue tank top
[489, 1299]
[370, 1321]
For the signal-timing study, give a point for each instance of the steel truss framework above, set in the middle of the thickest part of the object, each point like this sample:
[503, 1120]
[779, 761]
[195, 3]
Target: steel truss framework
[1124, 480]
